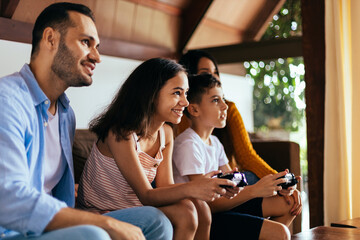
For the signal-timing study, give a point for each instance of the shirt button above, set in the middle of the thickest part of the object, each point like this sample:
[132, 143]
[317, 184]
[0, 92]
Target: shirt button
[45, 124]
[156, 165]
[46, 102]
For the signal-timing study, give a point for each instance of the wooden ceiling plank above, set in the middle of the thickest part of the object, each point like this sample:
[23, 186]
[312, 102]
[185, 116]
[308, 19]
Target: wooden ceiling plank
[12, 30]
[191, 18]
[163, 7]
[261, 22]
[249, 51]
[8, 7]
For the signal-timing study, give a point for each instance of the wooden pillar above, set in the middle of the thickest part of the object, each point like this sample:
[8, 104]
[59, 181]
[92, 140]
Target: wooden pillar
[313, 23]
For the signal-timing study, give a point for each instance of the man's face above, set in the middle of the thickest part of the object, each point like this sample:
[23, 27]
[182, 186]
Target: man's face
[77, 52]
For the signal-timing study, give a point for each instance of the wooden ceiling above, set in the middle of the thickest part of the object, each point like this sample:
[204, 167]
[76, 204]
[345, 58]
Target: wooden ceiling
[141, 29]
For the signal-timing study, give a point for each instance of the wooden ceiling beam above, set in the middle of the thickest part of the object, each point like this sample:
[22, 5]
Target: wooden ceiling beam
[261, 22]
[263, 50]
[191, 18]
[8, 7]
[17, 31]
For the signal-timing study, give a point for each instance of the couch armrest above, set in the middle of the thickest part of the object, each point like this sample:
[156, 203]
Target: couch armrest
[281, 155]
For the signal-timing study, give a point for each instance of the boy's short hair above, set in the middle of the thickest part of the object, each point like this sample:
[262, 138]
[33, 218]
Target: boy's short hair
[198, 85]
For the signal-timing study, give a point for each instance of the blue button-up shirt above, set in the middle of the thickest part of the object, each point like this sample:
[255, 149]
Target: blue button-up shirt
[24, 205]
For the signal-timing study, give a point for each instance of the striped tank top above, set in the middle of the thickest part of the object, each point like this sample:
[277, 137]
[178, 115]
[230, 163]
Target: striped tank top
[102, 187]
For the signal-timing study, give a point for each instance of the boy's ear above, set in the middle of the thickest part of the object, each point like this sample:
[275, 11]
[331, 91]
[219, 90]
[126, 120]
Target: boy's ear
[193, 109]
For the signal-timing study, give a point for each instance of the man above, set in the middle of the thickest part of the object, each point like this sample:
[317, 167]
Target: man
[36, 133]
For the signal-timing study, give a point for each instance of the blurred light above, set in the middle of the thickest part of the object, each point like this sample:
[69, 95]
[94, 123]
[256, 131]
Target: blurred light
[293, 25]
[254, 64]
[285, 11]
[281, 60]
[267, 100]
[261, 64]
[285, 79]
[275, 17]
[246, 64]
[253, 71]
[267, 80]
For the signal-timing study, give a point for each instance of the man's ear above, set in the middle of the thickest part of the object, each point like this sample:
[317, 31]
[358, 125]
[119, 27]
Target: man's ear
[193, 109]
[50, 38]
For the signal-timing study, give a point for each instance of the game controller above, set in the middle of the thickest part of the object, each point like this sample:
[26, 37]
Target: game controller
[290, 181]
[237, 177]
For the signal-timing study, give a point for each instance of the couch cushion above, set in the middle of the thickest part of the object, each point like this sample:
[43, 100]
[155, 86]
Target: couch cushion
[83, 142]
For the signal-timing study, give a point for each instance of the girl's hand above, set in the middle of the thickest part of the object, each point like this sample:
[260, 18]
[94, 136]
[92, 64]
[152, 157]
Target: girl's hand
[207, 188]
[232, 192]
[268, 185]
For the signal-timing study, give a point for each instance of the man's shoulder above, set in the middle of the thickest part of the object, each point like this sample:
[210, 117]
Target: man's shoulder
[13, 86]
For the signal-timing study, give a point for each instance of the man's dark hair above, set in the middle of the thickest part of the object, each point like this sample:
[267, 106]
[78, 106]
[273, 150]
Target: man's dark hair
[56, 16]
[190, 61]
[198, 85]
[135, 104]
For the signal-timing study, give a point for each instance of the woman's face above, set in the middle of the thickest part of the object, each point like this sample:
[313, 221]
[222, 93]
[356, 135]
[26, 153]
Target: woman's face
[171, 100]
[205, 65]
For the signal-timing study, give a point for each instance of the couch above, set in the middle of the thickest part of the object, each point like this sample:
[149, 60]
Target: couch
[279, 155]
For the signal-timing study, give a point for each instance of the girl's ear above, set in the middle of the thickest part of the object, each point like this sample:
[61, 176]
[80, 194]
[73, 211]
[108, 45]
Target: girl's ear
[193, 109]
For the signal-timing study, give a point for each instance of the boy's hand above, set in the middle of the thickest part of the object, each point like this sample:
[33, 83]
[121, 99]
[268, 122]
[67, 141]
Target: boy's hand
[268, 185]
[290, 190]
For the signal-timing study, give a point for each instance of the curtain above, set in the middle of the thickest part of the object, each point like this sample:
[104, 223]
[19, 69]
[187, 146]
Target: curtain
[342, 111]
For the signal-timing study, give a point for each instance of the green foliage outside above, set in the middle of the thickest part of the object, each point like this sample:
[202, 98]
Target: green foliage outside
[278, 99]
[279, 86]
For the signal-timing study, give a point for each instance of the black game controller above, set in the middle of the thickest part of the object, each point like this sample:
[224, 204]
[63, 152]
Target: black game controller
[237, 177]
[290, 181]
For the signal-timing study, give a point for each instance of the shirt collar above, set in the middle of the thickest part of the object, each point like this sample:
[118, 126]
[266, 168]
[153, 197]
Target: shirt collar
[36, 92]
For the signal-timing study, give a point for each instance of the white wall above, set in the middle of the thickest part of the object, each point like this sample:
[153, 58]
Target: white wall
[240, 91]
[87, 102]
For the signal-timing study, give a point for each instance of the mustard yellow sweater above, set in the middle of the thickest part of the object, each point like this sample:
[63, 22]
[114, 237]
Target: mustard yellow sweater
[236, 141]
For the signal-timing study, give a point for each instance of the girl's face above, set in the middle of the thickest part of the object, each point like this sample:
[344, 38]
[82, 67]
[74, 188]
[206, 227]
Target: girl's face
[205, 65]
[212, 108]
[172, 100]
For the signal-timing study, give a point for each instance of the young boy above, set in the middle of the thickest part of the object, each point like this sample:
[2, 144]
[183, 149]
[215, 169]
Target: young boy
[197, 152]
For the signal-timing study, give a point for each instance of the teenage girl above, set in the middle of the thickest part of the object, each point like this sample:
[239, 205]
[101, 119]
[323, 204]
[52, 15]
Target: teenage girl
[134, 148]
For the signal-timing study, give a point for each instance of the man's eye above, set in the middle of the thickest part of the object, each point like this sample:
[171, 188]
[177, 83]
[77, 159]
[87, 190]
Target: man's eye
[86, 42]
[177, 93]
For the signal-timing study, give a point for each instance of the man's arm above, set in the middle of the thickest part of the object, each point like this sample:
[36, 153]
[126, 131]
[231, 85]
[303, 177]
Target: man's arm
[68, 217]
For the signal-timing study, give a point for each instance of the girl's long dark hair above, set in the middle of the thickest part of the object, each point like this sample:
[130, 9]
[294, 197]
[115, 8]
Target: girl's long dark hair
[135, 104]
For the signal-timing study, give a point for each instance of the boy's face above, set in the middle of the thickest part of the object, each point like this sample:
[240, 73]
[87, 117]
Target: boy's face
[212, 110]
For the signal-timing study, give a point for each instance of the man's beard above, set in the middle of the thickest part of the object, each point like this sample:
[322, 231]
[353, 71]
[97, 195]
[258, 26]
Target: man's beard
[65, 67]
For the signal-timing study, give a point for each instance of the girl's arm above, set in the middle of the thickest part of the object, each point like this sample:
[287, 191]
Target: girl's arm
[265, 187]
[127, 160]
